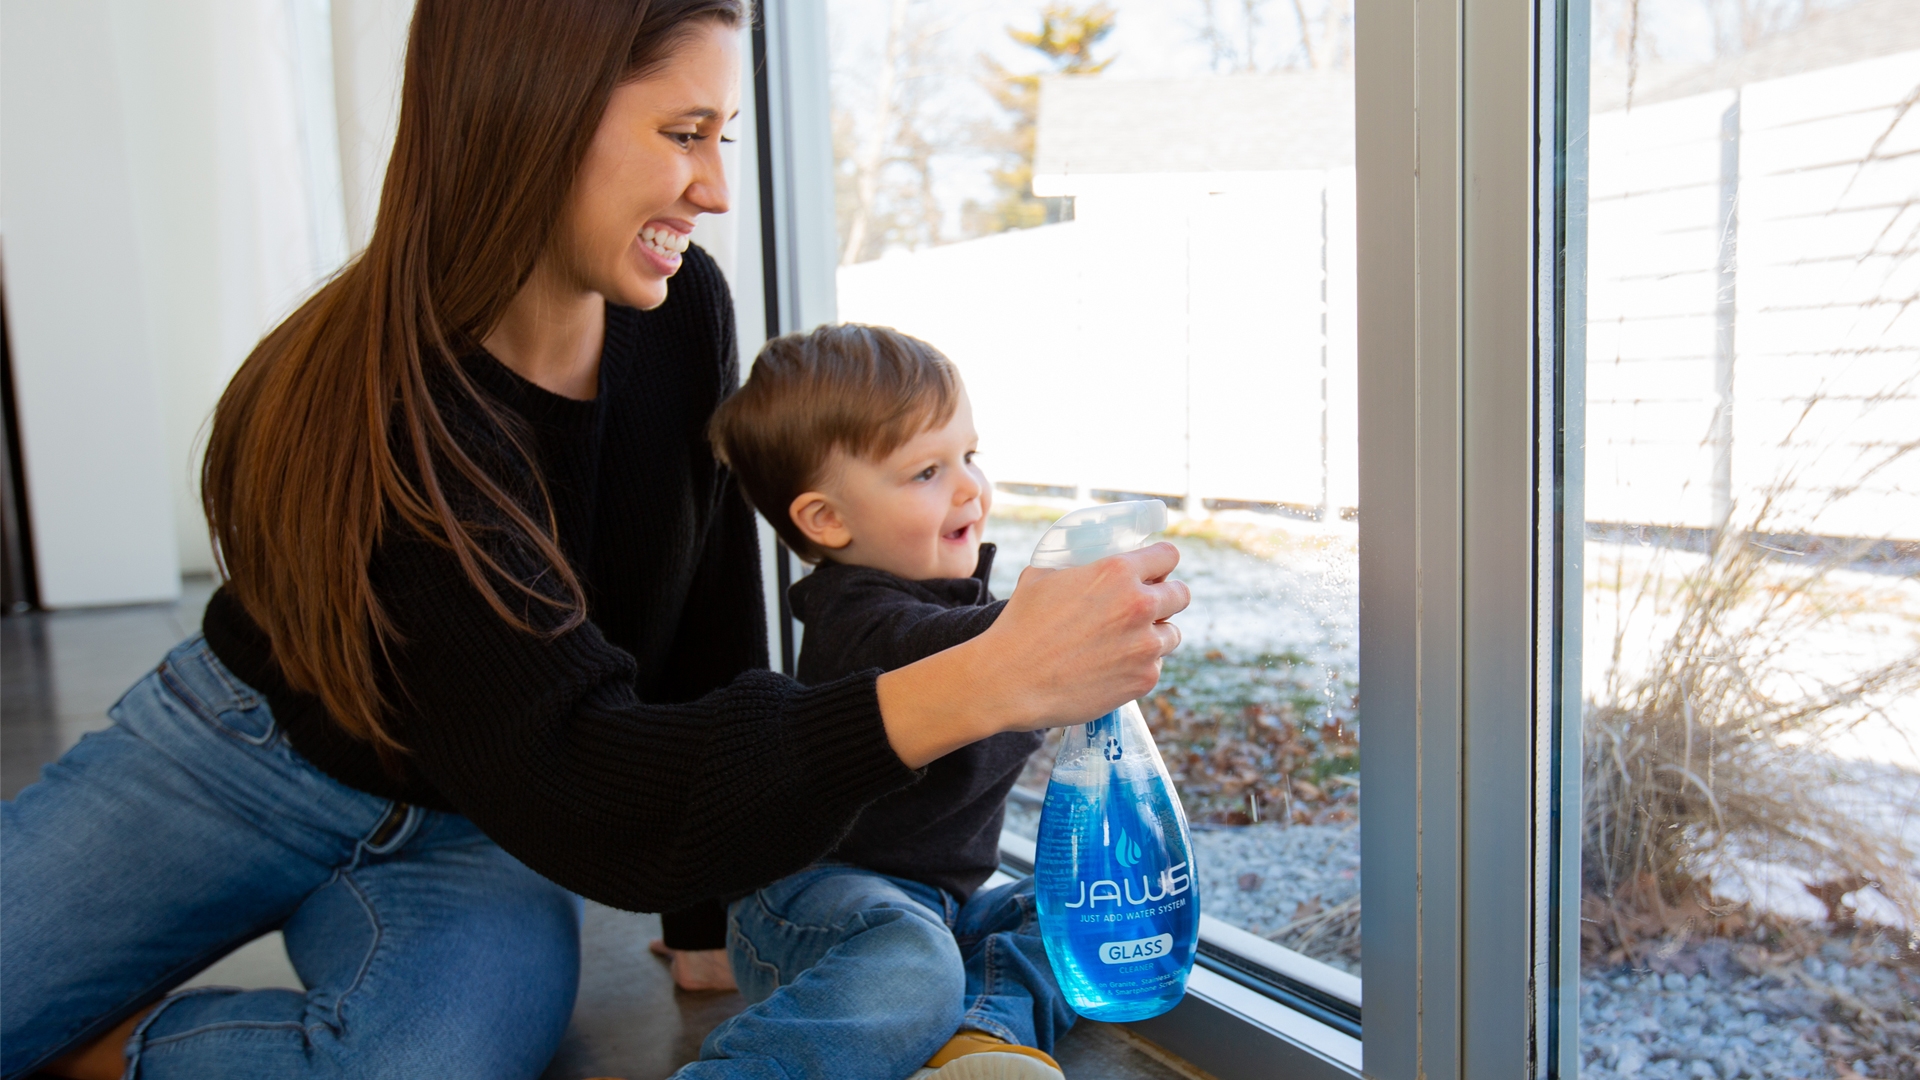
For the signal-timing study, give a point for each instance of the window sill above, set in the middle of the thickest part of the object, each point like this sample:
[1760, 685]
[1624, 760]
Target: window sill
[1232, 1030]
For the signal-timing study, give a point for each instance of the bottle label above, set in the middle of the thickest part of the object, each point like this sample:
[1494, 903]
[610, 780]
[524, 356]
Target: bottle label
[1118, 908]
[1130, 952]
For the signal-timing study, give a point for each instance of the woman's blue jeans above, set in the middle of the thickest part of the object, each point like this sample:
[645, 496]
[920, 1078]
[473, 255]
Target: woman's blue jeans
[190, 827]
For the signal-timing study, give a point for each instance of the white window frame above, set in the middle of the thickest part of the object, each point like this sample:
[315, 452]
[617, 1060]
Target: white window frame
[1470, 161]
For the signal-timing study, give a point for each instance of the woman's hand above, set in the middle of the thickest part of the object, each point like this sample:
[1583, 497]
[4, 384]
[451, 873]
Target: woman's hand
[1070, 646]
[1080, 643]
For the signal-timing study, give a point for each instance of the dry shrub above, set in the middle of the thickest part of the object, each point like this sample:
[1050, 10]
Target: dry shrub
[1323, 931]
[1713, 755]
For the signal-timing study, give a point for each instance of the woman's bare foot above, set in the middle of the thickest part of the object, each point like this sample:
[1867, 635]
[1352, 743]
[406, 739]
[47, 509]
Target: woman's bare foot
[105, 1058]
[697, 969]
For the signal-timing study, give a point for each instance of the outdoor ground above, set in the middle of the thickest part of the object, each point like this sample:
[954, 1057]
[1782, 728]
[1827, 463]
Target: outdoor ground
[1255, 717]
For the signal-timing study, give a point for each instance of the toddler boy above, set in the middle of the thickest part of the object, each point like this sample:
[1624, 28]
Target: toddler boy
[857, 444]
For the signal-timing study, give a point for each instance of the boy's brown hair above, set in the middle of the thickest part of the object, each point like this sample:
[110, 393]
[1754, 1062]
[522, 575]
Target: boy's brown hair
[864, 390]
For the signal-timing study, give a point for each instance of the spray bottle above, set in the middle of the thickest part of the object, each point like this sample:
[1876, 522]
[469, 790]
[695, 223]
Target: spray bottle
[1113, 863]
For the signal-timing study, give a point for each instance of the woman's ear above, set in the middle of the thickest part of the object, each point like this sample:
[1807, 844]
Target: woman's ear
[819, 520]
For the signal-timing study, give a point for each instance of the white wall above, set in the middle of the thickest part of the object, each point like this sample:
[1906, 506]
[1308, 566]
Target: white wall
[1827, 380]
[1170, 339]
[237, 197]
[228, 154]
[369, 49]
[210, 131]
[1257, 345]
[91, 429]
[1654, 245]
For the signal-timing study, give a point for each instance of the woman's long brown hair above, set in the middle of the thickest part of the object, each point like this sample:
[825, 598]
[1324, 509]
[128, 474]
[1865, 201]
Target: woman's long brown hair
[328, 435]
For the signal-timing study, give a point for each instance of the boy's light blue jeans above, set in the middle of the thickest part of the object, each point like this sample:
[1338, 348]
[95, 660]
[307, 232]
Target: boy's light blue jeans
[190, 827]
[854, 974]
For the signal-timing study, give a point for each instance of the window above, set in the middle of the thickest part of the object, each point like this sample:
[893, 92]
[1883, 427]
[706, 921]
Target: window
[1135, 237]
[1141, 312]
[1395, 328]
[1751, 841]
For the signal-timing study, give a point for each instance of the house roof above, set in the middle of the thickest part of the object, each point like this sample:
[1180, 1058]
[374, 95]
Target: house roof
[1091, 124]
[1860, 31]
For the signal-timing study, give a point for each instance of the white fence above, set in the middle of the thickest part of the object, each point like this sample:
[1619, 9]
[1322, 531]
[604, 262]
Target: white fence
[1754, 249]
[1171, 340]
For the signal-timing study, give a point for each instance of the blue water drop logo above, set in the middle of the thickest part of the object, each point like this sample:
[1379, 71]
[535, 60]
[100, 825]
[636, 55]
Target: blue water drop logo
[1127, 851]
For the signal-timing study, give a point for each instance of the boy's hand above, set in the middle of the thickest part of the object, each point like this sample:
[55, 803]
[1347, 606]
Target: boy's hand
[701, 970]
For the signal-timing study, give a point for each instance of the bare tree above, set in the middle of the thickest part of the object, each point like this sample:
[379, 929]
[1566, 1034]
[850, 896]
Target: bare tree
[1329, 45]
[1321, 36]
[1739, 25]
[1335, 47]
[1249, 26]
[1221, 55]
[890, 129]
[872, 156]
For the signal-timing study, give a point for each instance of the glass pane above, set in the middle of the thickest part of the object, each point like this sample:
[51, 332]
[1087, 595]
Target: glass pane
[1132, 227]
[1752, 611]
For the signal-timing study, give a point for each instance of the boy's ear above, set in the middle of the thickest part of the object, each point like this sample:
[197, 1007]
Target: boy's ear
[819, 520]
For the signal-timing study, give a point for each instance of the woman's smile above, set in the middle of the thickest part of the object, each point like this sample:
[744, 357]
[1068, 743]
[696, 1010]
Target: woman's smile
[661, 244]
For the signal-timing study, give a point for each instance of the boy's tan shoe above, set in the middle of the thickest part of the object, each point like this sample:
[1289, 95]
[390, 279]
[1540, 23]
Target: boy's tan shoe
[976, 1055]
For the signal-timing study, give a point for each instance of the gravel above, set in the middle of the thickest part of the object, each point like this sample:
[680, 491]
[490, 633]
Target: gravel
[1304, 600]
[1726, 1020]
[1713, 1010]
[1257, 877]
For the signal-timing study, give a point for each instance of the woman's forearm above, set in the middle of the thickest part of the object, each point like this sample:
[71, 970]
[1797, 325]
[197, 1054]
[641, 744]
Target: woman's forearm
[935, 706]
[1071, 645]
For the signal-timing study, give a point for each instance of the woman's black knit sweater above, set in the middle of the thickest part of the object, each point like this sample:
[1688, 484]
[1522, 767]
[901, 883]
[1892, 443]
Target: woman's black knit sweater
[640, 759]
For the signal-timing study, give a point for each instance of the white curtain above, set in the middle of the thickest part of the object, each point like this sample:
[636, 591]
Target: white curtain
[241, 189]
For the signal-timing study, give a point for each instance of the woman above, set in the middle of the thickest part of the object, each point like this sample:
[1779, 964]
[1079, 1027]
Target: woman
[491, 632]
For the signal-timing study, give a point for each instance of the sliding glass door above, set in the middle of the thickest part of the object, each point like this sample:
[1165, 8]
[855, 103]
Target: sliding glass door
[1751, 822]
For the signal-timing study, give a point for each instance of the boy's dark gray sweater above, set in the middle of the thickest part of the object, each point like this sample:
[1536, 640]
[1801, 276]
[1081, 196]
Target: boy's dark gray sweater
[943, 830]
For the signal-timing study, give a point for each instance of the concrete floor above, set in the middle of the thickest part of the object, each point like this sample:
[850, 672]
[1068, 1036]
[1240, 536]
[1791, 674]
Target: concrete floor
[60, 672]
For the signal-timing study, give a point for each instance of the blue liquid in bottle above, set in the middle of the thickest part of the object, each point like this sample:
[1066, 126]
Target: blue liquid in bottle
[1114, 875]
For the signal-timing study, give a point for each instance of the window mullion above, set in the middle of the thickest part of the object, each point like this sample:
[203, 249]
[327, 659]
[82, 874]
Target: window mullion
[798, 246]
[1408, 84]
[1560, 297]
[1500, 820]
[1465, 415]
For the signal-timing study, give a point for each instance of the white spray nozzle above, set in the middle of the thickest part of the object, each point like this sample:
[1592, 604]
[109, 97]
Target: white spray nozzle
[1096, 532]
